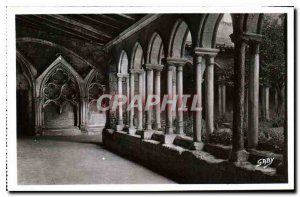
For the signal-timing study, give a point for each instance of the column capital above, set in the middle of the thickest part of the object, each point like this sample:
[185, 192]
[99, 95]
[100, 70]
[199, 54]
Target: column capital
[136, 71]
[121, 75]
[211, 52]
[152, 66]
[248, 38]
[170, 61]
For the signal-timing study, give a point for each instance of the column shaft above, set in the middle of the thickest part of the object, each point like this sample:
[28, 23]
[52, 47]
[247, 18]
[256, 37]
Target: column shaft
[209, 95]
[179, 103]
[149, 94]
[169, 119]
[220, 100]
[198, 93]
[131, 117]
[223, 99]
[127, 95]
[174, 91]
[267, 103]
[140, 111]
[253, 96]
[157, 124]
[120, 107]
[238, 153]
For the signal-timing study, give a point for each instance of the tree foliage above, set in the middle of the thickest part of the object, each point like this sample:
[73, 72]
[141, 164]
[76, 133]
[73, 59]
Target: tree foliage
[272, 54]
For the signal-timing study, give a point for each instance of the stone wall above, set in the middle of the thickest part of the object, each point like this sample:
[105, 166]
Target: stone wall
[183, 165]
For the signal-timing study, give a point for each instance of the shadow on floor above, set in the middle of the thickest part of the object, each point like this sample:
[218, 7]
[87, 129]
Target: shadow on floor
[86, 139]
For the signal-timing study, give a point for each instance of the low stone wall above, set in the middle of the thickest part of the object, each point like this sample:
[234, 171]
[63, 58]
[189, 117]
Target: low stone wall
[184, 165]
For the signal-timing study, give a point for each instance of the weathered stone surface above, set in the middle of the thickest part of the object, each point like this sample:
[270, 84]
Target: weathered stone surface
[186, 166]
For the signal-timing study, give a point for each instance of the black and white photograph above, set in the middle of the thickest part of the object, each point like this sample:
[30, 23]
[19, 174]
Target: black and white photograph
[150, 98]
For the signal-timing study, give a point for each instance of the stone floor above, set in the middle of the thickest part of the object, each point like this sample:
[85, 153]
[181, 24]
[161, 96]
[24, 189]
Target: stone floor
[77, 160]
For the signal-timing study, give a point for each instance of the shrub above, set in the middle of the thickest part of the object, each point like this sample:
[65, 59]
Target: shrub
[223, 136]
[277, 122]
[271, 140]
[188, 126]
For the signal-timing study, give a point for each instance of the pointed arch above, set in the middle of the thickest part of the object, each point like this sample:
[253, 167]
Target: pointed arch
[137, 56]
[123, 63]
[52, 44]
[155, 49]
[26, 65]
[179, 35]
[59, 61]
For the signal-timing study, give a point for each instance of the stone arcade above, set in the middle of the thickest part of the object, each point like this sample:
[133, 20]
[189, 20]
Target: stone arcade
[66, 62]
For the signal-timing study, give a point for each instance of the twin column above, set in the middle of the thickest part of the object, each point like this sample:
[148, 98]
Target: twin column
[177, 65]
[240, 40]
[156, 70]
[133, 73]
[204, 59]
[120, 77]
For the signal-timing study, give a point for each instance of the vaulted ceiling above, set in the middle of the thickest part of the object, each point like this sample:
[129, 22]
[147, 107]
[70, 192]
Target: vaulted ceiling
[94, 28]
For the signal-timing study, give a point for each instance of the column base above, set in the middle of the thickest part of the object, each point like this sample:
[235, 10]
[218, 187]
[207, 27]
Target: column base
[157, 126]
[148, 126]
[119, 127]
[169, 138]
[38, 131]
[147, 134]
[179, 128]
[169, 130]
[239, 156]
[198, 145]
[139, 128]
[131, 131]
[83, 129]
[252, 145]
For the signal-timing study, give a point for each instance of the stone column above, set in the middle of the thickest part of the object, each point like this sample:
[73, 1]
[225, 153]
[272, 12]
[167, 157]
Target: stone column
[179, 78]
[171, 64]
[197, 119]
[149, 92]
[223, 99]
[38, 116]
[144, 97]
[275, 99]
[199, 66]
[220, 100]
[140, 111]
[246, 106]
[169, 108]
[238, 152]
[157, 84]
[253, 105]
[265, 103]
[120, 124]
[83, 107]
[209, 94]
[131, 112]
[174, 91]
[128, 96]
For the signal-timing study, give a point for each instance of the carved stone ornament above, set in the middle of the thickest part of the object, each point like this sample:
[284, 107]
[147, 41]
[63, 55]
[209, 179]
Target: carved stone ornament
[60, 87]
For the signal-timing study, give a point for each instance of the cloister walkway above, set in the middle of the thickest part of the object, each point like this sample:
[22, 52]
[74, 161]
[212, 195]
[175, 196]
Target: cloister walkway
[77, 160]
